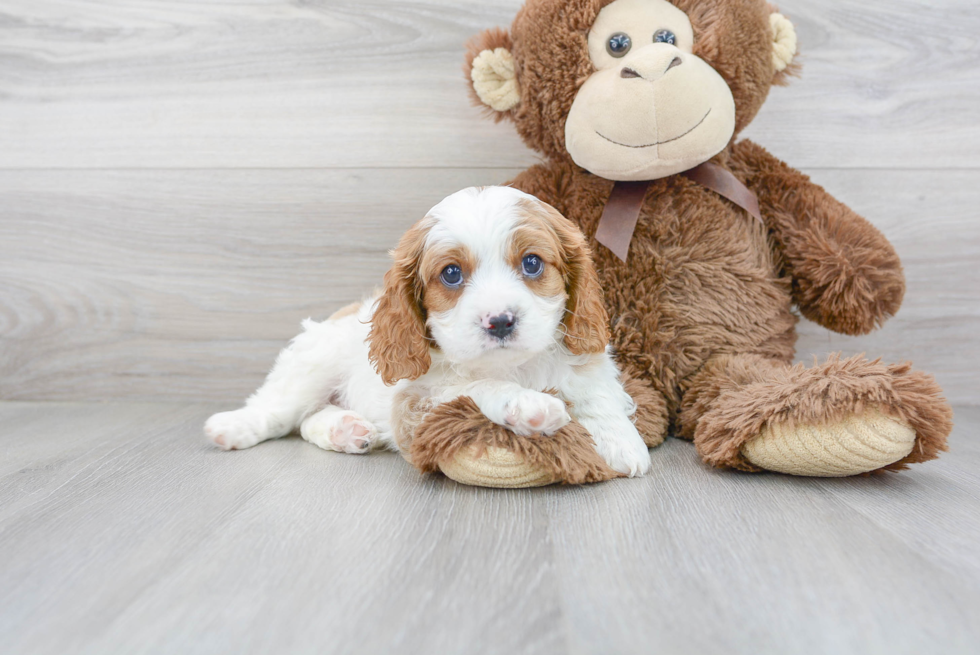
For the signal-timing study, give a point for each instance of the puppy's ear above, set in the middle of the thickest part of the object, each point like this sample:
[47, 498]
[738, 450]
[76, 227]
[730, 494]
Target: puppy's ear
[586, 321]
[398, 346]
[491, 72]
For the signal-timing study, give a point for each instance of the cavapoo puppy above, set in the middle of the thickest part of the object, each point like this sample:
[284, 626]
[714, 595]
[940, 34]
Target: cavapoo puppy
[492, 296]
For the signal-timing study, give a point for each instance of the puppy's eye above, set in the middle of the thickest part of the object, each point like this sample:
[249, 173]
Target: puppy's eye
[452, 276]
[665, 36]
[532, 265]
[619, 44]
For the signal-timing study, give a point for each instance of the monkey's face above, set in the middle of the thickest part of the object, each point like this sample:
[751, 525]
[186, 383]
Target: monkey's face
[632, 89]
[652, 108]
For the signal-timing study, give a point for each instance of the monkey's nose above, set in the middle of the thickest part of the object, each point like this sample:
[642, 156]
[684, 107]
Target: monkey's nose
[500, 326]
[676, 61]
[651, 67]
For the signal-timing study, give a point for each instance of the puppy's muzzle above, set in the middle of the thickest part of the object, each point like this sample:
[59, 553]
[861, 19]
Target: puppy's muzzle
[500, 326]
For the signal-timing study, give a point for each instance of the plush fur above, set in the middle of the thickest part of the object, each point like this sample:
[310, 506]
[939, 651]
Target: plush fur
[702, 315]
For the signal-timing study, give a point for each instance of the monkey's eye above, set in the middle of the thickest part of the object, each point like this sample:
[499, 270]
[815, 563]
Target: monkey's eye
[619, 44]
[452, 276]
[532, 265]
[665, 36]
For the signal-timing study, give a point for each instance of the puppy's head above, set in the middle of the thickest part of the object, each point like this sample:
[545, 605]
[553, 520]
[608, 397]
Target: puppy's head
[490, 277]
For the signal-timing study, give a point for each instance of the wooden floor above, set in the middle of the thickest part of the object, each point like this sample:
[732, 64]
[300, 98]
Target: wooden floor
[122, 531]
[181, 183]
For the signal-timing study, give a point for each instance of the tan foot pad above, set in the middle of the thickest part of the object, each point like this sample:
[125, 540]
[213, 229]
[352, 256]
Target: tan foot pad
[857, 444]
[498, 467]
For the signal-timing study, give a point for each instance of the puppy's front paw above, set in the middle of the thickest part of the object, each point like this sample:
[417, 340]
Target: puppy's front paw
[242, 428]
[343, 431]
[533, 412]
[623, 449]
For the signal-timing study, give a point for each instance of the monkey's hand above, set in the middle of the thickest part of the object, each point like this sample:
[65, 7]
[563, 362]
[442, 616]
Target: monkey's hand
[846, 275]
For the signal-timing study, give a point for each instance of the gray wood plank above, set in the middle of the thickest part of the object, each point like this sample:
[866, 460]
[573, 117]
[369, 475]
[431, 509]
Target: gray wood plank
[83, 84]
[184, 284]
[162, 544]
[932, 511]
[704, 561]
[149, 540]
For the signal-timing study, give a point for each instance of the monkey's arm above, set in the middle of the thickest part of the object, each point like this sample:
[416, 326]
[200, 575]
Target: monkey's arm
[846, 275]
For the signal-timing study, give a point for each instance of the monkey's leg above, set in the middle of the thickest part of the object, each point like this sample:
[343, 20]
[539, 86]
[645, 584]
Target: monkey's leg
[456, 438]
[842, 417]
[652, 418]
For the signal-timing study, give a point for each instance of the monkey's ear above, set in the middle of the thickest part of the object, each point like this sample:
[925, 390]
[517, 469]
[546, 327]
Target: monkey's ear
[783, 44]
[491, 71]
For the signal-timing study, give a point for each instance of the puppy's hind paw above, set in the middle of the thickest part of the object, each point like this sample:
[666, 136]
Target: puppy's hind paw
[242, 428]
[343, 431]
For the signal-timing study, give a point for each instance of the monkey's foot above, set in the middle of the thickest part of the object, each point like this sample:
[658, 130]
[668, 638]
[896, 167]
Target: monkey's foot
[457, 439]
[842, 417]
[855, 444]
[496, 467]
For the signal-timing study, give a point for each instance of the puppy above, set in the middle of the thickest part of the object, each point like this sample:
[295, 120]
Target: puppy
[492, 296]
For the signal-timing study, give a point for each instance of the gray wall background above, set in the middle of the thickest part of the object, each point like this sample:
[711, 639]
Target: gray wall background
[181, 183]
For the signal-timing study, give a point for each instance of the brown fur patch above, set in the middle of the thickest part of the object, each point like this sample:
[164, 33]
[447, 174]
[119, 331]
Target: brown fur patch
[569, 455]
[549, 284]
[436, 296]
[535, 235]
[586, 322]
[398, 343]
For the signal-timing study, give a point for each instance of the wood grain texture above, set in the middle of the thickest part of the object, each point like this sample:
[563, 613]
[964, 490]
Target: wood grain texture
[123, 531]
[185, 284]
[358, 83]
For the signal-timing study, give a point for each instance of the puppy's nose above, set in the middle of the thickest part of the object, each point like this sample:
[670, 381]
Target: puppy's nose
[501, 325]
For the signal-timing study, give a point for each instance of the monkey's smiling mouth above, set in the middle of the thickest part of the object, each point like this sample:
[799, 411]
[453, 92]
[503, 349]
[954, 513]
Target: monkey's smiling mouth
[658, 143]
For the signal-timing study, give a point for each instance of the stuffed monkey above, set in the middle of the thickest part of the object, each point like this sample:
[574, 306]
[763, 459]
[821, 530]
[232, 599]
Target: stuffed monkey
[704, 244]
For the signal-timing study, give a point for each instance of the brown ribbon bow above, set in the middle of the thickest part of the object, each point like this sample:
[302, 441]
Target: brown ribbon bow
[622, 210]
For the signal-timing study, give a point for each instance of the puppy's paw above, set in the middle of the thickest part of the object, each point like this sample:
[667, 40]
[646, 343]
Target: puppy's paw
[533, 412]
[242, 428]
[343, 431]
[623, 449]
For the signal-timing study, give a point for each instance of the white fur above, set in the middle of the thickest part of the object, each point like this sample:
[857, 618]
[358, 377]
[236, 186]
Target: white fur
[324, 385]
